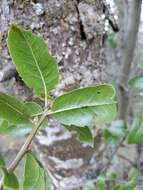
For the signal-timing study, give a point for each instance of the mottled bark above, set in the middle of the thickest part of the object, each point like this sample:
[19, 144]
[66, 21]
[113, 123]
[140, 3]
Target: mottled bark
[73, 31]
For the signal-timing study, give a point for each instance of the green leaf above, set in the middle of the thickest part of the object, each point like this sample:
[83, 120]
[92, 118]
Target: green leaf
[134, 174]
[84, 134]
[136, 82]
[10, 179]
[2, 161]
[111, 175]
[34, 64]
[34, 175]
[115, 132]
[86, 106]
[16, 130]
[13, 110]
[136, 134]
[89, 186]
[33, 108]
[5, 127]
[101, 183]
[132, 183]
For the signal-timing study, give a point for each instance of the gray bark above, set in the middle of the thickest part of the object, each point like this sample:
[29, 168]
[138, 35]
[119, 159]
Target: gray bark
[73, 31]
[128, 55]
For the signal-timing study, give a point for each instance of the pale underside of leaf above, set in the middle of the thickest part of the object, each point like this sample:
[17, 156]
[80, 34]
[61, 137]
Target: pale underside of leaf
[86, 107]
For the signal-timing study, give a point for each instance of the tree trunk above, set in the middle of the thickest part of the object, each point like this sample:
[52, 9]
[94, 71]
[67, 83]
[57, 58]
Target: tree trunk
[73, 31]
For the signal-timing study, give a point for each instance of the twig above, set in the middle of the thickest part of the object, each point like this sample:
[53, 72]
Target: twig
[128, 54]
[113, 154]
[128, 160]
[25, 147]
[26, 144]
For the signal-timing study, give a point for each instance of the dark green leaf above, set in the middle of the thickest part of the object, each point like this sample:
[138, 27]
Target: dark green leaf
[10, 180]
[13, 110]
[86, 106]
[136, 82]
[35, 65]
[136, 133]
[84, 134]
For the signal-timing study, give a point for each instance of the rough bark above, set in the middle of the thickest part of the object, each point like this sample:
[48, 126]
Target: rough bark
[73, 31]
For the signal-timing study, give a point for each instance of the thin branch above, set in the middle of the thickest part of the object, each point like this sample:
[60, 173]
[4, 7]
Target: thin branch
[128, 54]
[26, 145]
[113, 154]
[128, 160]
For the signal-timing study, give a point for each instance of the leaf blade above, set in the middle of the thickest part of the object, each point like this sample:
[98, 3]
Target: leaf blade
[13, 109]
[136, 134]
[10, 179]
[86, 106]
[34, 175]
[84, 134]
[35, 65]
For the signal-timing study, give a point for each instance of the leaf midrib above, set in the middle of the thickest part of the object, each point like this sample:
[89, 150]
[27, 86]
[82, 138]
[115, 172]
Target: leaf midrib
[36, 63]
[15, 109]
[80, 107]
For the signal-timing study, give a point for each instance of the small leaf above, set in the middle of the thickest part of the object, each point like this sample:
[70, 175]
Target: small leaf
[84, 134]
[34, 175]
[13, 110]
[5, 127]
[101, 183]
[115, 132]
[136, 133]
[16, 130]
[111, 175]
[10, 179]
[136, 83]
[86, 106]
[132, 183]
[34, 64]
[134, 174]
[33, 108]
[89, 186]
